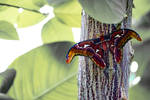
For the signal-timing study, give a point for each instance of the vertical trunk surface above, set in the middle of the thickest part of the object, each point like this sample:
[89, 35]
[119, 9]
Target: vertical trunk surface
[112, 82]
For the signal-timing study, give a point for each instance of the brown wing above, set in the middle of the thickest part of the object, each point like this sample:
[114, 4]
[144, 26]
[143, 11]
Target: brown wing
[127, 35]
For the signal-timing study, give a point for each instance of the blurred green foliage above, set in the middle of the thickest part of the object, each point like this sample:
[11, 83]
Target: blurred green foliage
[6, 81]
[42, 73]
[32, 4]
[69, 13]
[141, 8]
[56, 29]
[9, 12]
[55, 3]
[7, 31]
[31, 18]
[138, 93]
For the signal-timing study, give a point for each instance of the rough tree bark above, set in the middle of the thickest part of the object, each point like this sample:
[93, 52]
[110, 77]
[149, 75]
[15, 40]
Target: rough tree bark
[112, 82]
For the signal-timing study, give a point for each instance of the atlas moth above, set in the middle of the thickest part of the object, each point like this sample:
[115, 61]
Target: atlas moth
[94, 48]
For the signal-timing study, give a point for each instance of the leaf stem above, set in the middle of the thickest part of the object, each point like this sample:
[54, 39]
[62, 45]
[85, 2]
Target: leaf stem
[32, 10]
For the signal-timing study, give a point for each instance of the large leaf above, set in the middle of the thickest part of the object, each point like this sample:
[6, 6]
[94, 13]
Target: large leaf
[7, 79]
[69, 13]
[7, 31]
[106, 11]
[141, 8]
[26, 18]
[42, 74]
[54, 31]
[56, 2]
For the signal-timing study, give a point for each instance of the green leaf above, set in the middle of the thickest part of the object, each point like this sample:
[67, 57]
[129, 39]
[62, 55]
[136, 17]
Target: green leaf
[5, 97]
[106, 11]
[69, 13]
[141, 8]
[56, 2]
[54, 31]
[7, 31]
[28, 18]
[24, 19]
[9, 14]
[39, 3]
[30, 4]
[42, 74]
[2, 8]
[7, 79]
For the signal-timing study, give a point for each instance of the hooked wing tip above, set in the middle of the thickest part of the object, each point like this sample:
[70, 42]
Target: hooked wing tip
[69, 57]
[67, 61]
[139, 39]
[135, 35]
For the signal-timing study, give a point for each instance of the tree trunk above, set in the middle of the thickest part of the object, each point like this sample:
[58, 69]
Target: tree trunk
[112, 82]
